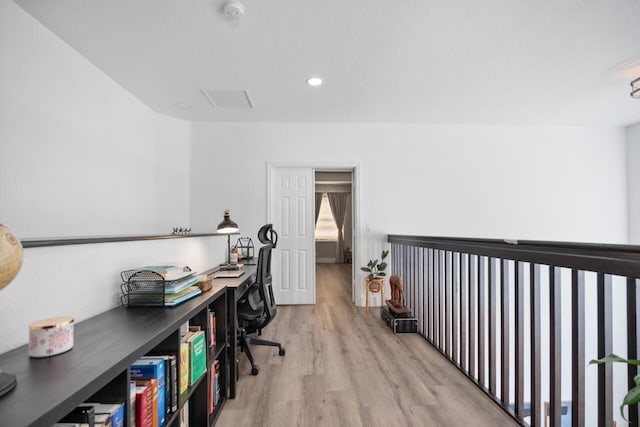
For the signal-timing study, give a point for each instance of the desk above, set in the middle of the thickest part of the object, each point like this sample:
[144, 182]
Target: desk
[236, 287]
[98, 366]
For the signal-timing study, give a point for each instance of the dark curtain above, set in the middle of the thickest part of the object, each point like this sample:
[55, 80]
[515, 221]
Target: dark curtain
[318, 203]
[338, 204]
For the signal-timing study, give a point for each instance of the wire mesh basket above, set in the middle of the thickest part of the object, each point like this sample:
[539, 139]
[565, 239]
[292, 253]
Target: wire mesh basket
[142, 288]
[145, 288]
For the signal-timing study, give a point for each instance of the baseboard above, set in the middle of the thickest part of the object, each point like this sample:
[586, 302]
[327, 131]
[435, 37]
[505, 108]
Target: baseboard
[325, 260]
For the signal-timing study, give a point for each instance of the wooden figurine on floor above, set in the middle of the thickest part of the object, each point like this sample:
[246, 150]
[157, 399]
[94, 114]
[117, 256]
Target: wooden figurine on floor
[396, 303]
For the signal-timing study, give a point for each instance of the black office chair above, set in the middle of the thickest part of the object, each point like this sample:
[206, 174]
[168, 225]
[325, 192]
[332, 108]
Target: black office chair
[258, 307]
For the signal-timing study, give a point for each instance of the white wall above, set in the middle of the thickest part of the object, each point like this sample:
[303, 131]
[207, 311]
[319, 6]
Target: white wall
[543, 183]
[83, 281]
[79, 155]
[633, 176]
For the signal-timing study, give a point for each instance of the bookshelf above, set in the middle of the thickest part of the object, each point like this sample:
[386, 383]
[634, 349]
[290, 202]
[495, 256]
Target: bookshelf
[97, 368]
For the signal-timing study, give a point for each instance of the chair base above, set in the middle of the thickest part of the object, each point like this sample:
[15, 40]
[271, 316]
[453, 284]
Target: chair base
[244, 342]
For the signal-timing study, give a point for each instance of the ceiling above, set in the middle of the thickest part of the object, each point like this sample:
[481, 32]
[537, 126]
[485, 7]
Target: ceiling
[566, 62]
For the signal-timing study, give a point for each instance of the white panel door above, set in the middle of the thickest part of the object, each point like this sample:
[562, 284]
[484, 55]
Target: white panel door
[291, 212]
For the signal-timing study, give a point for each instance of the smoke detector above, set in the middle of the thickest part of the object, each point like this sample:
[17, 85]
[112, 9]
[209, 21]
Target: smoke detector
[233, 9]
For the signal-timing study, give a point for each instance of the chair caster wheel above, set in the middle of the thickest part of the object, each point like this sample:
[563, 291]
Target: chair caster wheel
[255, 370]
[281, 352]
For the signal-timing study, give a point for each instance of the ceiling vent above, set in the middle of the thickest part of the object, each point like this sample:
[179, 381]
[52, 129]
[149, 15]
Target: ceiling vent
[238, 99]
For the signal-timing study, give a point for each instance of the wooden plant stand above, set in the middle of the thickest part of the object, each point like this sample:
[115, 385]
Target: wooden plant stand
[375, 286]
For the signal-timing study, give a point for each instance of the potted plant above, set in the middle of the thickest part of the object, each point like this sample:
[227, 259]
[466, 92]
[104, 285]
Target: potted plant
[376, 269]
[375, 278]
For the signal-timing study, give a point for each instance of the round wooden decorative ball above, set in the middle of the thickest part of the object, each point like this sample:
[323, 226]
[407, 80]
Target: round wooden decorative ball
[10, 256]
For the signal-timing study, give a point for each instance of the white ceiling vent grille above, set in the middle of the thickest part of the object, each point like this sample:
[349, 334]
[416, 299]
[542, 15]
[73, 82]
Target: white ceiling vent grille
[238, 99]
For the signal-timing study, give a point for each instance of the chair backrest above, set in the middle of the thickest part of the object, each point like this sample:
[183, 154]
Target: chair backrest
[269, 237]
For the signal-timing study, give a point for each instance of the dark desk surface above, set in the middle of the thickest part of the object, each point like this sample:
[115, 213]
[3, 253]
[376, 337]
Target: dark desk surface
[233, 283]
[104, 347]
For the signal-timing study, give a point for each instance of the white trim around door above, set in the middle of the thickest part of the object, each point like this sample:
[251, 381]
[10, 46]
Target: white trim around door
[307, 253]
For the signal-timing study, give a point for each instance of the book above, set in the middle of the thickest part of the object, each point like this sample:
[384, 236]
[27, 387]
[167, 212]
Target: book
[144, 406]
[217, 383]
[152, 383]
[212, 329]
[211, 389]
[184, 415]
[155, 417]
[173, 376]
[153, 369]
[183, 368]
[171, 380]
[109, 414]
[214, 386]
[197, 356]
[172, 300]
[179, 285]
[102, 420]
[132, 403]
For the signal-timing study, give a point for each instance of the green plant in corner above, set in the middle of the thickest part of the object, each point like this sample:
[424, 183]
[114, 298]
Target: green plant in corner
[633, 396]
[376, 269]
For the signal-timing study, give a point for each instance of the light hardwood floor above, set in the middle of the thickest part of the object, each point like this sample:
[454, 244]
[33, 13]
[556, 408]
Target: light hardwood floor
[346, 368]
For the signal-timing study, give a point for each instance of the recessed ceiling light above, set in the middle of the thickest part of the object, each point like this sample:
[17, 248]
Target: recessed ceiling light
[314, 81]
[182, 105]
[233, 9]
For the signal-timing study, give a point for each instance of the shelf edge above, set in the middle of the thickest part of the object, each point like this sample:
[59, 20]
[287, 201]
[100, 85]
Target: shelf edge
[46, 242]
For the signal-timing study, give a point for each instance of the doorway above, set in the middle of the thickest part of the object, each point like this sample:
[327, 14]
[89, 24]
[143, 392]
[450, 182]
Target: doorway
[334, 221]
[291, 208]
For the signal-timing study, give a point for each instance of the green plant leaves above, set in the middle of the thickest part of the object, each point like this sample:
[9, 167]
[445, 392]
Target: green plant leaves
[633, 396]
[374, 269]
[614, 358]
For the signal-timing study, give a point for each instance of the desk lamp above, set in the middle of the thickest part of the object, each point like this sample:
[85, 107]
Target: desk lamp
[10, 263]
[228, 227]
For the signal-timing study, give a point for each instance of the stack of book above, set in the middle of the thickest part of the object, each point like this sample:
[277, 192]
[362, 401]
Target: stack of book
[166, 285]
[155, 379]
[194, 344]
[95, 414]
[192, 364]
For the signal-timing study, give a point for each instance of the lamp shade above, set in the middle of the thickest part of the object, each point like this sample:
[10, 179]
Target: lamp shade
[227, 226]
[10, 256]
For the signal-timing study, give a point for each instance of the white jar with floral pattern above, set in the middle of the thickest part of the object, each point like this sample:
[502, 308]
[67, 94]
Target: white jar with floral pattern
[48, 337]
